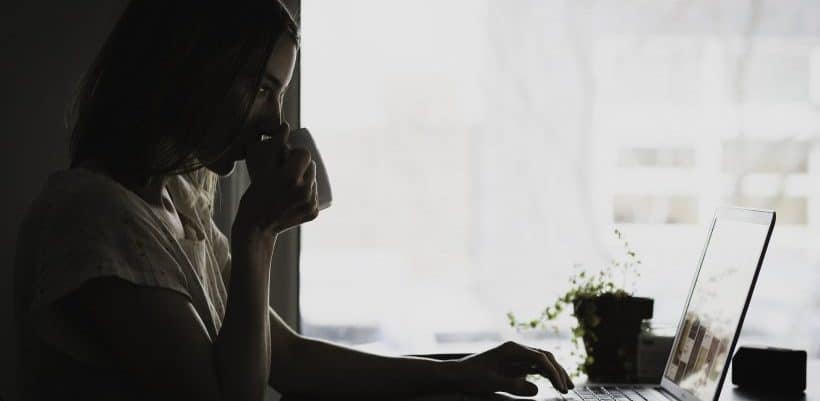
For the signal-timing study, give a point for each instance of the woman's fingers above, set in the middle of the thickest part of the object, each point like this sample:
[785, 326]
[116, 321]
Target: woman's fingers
[296, 164]
[542, 364]
[307, 191]
[307, 207]
[553, 371]
[301, 213]
[563, 371]
[515, 386]
[309, 178]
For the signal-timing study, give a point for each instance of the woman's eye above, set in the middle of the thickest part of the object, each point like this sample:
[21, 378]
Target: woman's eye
[263, 90]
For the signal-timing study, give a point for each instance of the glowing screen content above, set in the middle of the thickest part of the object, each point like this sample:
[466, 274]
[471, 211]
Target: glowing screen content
[714, 309]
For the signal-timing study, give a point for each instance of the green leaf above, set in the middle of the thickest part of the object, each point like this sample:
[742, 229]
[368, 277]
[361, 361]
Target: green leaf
[511, 319]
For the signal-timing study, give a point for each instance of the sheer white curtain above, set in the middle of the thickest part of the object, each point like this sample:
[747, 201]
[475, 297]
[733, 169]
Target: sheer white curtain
[480, 149]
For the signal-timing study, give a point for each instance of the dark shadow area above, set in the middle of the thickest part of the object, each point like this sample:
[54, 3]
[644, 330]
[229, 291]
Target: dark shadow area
[46, 45]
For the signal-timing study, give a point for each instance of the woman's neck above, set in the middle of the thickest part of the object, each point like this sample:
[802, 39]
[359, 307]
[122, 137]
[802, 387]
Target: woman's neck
[152, 192]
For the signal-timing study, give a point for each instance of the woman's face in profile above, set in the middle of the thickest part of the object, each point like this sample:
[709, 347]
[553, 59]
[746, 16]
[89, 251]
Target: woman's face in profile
[265, 115]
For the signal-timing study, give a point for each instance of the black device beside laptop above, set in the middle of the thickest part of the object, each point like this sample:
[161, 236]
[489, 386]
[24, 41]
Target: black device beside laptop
[712, 316]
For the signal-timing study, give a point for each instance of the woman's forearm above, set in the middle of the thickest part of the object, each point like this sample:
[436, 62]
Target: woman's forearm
[242, 348]
[319, 369]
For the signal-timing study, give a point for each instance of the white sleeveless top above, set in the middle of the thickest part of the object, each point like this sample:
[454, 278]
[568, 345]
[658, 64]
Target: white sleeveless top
[85, 225]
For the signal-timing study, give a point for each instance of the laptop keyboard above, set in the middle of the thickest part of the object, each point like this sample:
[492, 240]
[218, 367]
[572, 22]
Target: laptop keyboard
[611, 393]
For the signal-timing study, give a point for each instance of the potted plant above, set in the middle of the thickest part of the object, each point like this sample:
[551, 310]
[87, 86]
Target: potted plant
[609, 318]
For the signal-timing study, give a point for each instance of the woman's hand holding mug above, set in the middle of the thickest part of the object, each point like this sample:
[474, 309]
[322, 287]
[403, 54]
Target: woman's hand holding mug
[283, 191]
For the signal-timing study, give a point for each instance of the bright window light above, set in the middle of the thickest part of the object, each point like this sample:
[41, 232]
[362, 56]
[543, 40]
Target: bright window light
[478, 150]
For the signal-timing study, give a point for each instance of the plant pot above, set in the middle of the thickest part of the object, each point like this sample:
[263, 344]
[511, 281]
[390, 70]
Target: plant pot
[611, 324]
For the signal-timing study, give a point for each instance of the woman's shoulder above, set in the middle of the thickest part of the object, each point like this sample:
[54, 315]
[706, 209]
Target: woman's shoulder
[80, 188]
[79, 196]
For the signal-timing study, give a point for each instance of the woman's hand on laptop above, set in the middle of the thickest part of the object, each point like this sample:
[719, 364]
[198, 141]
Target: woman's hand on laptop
[504, 368]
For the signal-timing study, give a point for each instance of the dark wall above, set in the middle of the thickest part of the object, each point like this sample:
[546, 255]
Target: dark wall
[46, 46]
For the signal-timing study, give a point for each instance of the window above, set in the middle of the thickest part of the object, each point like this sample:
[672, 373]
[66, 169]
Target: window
[660, 157]
[636, 209]
[783, 156]
[478, 150]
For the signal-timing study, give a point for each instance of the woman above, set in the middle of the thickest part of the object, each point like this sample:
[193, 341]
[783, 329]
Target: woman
[125, 288]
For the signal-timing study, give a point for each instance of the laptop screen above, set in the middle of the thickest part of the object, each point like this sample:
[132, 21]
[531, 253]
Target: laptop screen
[715, 306]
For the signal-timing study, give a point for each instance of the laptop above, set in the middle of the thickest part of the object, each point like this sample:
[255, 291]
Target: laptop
[712, 315]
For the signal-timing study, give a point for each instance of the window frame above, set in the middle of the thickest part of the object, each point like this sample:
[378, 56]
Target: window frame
[284, 277]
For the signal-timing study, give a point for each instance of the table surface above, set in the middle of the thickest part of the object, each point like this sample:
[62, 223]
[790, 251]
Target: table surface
[728, 393]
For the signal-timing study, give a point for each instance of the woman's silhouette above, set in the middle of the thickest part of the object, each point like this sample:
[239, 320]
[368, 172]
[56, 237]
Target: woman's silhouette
[126, 289]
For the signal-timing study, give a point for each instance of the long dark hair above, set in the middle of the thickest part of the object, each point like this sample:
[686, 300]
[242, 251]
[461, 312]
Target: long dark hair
[169, 71]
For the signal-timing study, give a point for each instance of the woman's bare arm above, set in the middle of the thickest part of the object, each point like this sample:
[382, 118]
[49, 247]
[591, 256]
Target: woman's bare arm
[316, 369]
[143, 328]
[246, 328]
[156, 336]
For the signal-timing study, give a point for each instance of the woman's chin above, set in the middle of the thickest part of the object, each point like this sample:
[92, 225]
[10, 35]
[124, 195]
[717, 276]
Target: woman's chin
[223, 168]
